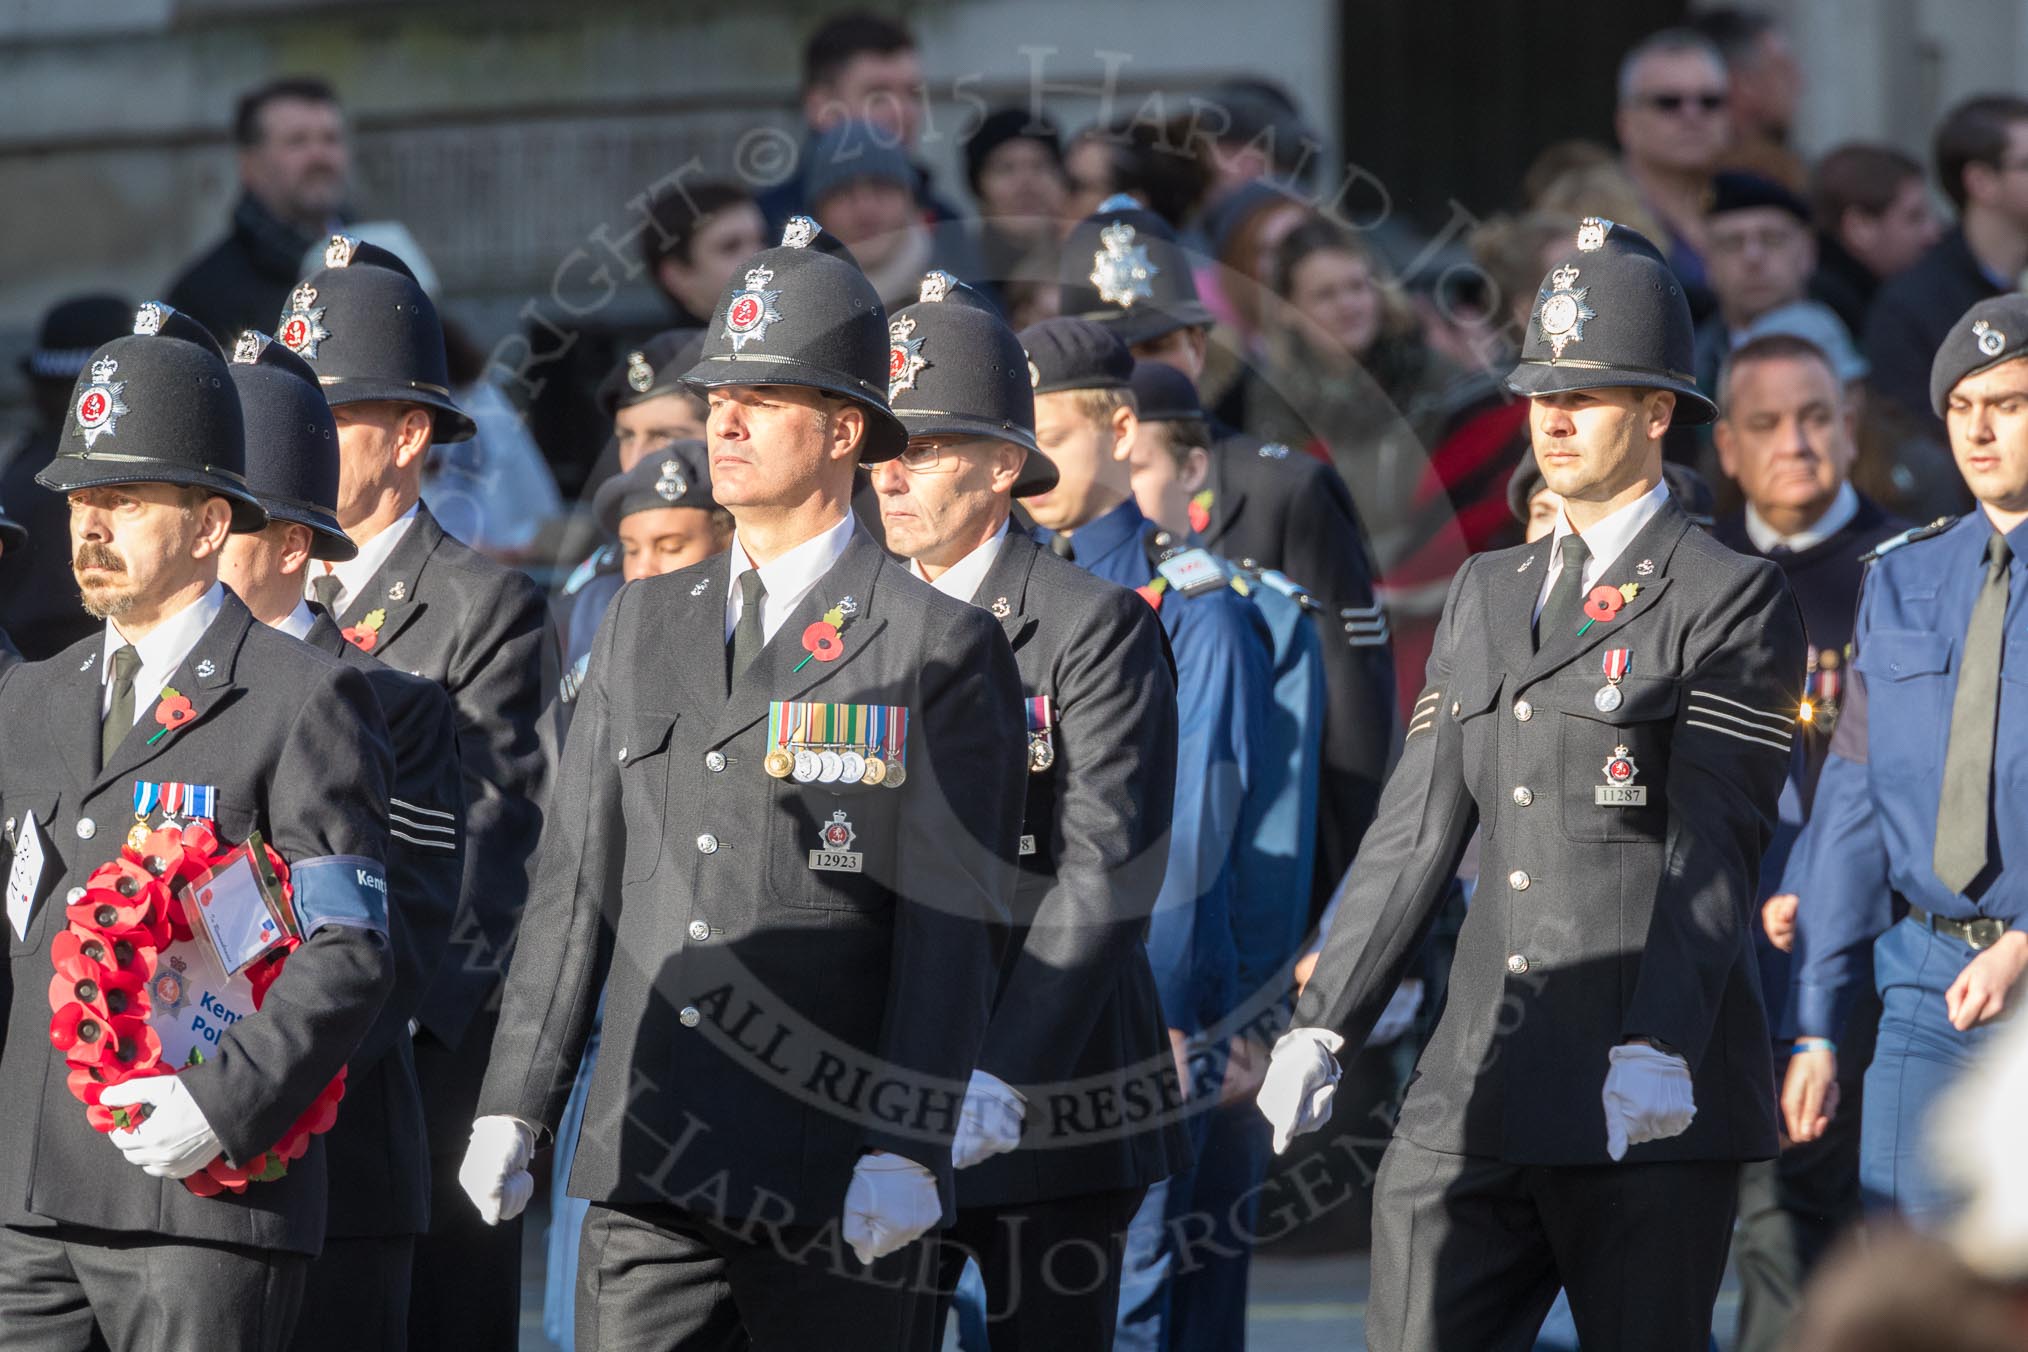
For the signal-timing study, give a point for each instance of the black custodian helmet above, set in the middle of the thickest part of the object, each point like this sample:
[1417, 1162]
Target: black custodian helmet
[291, 442]
[1612, 314]
[1123, 268]
[372, 334]
[796, 316]
[157, 406]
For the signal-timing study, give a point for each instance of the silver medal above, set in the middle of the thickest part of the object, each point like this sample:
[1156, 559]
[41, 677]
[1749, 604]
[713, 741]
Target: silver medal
[852, 767]
[808, 767]
[1607, 699]
[833, 765]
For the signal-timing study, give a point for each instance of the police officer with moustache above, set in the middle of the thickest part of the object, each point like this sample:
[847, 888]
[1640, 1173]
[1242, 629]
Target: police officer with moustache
[1910, 848]
[1261, 506]
[419, 600]
[357, 1292]
[1075, 1073]
[1612, 707]
[101, 1244]
[792, 868]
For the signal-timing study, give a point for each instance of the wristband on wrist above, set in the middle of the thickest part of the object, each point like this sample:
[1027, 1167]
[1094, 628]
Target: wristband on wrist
[1815, 1044]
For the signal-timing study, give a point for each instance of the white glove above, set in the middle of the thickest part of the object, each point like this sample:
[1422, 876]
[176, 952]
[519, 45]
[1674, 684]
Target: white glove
[1399, 1016]
[1647, 1097]
[990, 1122]
[1302, 1076]
[890, 1203]
[495, 1172]
[175, 1141]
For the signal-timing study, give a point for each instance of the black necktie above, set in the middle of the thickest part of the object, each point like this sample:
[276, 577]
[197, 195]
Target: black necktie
[325, 588]
[1963, 812]
[120, 718]
[1060, 545]
[748, 637]
[1561, 607]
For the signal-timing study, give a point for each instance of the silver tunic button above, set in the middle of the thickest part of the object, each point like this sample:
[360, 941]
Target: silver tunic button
[74, 896]
[707, 844]
[714, 761]
[623, 756]
[1455, 707]
[1518, 880]
[699, 931]
[1516, 963]
[1523, 710]
[689, 1017]
[86, 828]
[1523, 795]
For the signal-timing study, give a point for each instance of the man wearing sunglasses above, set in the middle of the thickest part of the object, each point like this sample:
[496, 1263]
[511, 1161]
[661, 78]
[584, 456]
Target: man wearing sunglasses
[1672, 128]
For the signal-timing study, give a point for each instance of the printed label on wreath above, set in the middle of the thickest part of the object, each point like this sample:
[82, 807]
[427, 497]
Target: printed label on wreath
[194, 1001]
[236, 911]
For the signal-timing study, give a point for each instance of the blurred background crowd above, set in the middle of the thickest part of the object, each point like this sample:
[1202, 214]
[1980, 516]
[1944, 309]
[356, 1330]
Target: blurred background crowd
[1369, 195]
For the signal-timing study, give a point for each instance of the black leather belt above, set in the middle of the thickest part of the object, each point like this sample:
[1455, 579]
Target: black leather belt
[1982, 932]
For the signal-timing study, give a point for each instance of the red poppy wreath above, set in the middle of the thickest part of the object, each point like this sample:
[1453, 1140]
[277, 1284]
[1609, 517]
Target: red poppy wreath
[110, 976]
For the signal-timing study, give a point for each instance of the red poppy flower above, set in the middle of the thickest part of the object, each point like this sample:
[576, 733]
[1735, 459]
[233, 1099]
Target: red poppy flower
[1200, 517]
[203, 1184]
[821, 641]
[362, 638]
[175, 711]
[1150, 595]
[113, 1045]
[102, 991]
[122, 911]
[118, 953]
[1603, 603]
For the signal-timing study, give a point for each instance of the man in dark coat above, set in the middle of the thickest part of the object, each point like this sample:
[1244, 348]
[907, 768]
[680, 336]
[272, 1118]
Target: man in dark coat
[1612, 709]
[801, 946]
[357, 1292]
[184, 703]
[418, 599]
[294, 167]
[1075, 1072]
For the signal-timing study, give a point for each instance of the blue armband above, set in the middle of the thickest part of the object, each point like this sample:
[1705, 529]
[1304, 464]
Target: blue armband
[340, 889]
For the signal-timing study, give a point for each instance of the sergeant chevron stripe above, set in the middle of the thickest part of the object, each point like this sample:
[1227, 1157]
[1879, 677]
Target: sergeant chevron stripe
[1769, 728]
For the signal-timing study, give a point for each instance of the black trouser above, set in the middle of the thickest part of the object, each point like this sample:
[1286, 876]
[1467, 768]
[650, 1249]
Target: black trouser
[1052, 1270]
[1469, 1252]
[355, 1296]
[465, 1290]
[70, 1289]
[656, 1279]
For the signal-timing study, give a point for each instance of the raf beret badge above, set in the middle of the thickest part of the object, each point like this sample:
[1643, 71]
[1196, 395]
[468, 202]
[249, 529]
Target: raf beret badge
[640, 375]
[1991, 341]
[670, 483]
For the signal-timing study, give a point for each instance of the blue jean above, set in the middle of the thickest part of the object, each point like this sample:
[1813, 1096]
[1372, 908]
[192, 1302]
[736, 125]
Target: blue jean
[1917, 1057]
[566, 1213]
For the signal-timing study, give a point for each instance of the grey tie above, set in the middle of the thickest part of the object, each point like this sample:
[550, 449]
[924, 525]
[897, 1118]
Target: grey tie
[748, 638]
[1962, 814]
[120, 719]
[1561, 607]
[324, 587]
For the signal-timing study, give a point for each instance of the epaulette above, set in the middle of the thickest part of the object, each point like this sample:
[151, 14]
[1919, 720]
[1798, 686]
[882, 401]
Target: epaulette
[1191, 572]
[1909, 537]
[600, 561]
[1282, 583]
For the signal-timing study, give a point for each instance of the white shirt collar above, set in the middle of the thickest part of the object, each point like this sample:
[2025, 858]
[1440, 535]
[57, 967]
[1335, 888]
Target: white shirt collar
[789, 578]
[356, 572]
[961, 580]
[162, 650]
[298, 622]
[1843, 508]
[1606, 540]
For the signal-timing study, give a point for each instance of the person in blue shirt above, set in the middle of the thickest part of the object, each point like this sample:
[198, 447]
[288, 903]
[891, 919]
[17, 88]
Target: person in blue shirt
[1085, 422]
[1910, 849]
[1171, 465]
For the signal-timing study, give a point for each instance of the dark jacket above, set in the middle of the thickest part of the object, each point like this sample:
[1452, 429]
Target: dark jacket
[39, 602]
[1593, 923]
[769, 1016]
[1911, 316]
[481, 631]
[1077, 1025]
[295, 746]
[1283, 510]
[378, 1151]
[1844, 283]
[244, 280]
